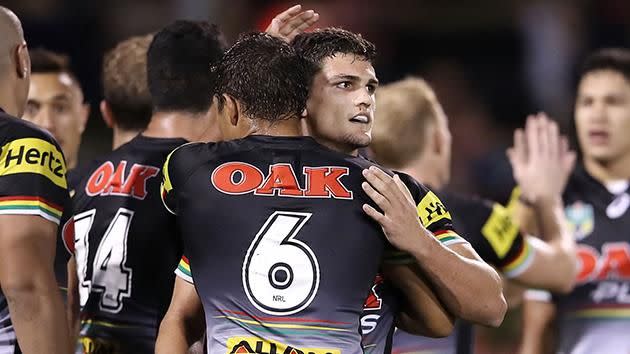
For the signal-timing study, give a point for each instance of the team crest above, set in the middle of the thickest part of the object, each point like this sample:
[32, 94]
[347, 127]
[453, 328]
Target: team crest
[581, 219]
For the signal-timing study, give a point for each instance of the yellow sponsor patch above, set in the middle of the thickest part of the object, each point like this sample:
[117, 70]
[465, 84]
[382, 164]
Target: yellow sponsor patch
[33, 155]
[500, 230]
[244, 345]
[431, 210]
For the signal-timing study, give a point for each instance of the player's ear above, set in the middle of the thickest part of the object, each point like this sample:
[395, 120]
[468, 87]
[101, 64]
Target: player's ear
[85, 113]
[231, 109]
[22, 61]
[106, 112]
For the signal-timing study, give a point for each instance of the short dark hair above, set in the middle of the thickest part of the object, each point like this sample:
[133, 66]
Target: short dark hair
[179, 66]
[125, 82]
[44, 61]
[615, 59]
[266, 75]
[324, 43]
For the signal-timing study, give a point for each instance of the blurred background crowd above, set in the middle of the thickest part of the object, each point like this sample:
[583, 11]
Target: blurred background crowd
[491, 62]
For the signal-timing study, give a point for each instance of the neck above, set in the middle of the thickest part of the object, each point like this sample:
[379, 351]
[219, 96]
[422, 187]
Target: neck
[122, 136]
[7, 100]
[187, 126]
[286, 127]
[422, 169]
[608, 171]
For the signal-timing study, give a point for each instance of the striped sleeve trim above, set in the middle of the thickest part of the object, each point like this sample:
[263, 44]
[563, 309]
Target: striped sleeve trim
[449, 237]
[521, 262]
[183, 270]
[27, 205]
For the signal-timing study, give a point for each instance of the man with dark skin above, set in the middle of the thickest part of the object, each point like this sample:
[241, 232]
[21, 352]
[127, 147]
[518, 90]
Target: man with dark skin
[33, 191]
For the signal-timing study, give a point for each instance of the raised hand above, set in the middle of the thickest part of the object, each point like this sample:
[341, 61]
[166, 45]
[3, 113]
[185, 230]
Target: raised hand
[540, 158]
[291, 22]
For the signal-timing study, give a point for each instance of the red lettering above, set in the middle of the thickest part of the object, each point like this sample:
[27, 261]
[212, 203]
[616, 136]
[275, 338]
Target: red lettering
[323, 182]
[223, 178]
[105, 181]
[117, 180]
[99, 180]
[281, 178]
[136, 183]
[615, 261]
[587, 257]
[374, 301]
[68, 235]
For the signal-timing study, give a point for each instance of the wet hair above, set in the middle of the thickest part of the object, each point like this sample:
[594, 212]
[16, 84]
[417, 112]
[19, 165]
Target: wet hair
[266, 75]
[324, 43]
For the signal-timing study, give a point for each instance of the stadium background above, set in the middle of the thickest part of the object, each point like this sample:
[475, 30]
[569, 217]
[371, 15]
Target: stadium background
[491, 62]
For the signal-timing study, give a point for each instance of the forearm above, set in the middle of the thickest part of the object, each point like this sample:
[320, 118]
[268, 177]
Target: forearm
[550, 217]
[538, 329]
[173, 337]
[38, 316]
[469, 288]
[421, 313]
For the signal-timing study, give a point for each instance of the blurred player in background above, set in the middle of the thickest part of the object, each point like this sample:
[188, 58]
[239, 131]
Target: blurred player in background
[126, 105]
[33, 195]
[595, 317]
[411, 135]
[56, 102]
[126, 246]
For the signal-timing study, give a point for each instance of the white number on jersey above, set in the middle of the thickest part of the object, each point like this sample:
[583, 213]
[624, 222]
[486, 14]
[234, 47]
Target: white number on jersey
[280, 273]
[110, 276]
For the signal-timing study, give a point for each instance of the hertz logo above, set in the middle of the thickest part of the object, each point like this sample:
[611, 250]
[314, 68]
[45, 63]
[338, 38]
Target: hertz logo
[431, 210]
[32, 155]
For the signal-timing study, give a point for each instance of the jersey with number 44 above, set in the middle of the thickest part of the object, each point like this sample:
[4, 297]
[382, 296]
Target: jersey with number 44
[281, 252]
[125, 247]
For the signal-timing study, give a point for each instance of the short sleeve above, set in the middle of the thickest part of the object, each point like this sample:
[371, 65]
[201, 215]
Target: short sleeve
[33, 177]
[183, 270]
[433, 215]
[492, 232]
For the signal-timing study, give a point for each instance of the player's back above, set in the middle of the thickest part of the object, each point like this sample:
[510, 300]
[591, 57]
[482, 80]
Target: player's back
[125, 246]
[32, 182]
[281, 252]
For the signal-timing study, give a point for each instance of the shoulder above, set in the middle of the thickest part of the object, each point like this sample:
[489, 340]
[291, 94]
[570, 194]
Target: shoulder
[12, 129]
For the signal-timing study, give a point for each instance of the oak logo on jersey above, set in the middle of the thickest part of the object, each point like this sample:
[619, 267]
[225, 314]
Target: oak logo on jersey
[431, 210]
[581, 219]
[253, 345]
[237, 178]
[612, 264]
[500, 230]
[33, 155]
[107, 180]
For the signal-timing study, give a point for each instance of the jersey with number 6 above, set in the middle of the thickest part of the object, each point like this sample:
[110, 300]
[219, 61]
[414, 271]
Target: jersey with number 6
[125, 248]
[32, 182]
[281, 252]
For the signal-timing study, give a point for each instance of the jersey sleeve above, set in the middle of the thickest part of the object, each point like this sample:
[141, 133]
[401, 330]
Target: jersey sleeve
[174, 173]
[493, 233]
[183, 270]
[33, 177]
[433, 215]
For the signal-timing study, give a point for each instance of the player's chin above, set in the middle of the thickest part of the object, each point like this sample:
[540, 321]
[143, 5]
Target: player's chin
[359, 140]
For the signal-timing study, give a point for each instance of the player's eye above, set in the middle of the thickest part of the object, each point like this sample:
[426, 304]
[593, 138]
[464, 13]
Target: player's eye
[371, 88]
[614, 100]
[585, 101]
[344, 85]
[31, 109]
[60, 108]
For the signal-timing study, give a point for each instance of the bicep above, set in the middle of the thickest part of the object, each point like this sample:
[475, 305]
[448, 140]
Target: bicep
[185, 302]
[27, 247]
